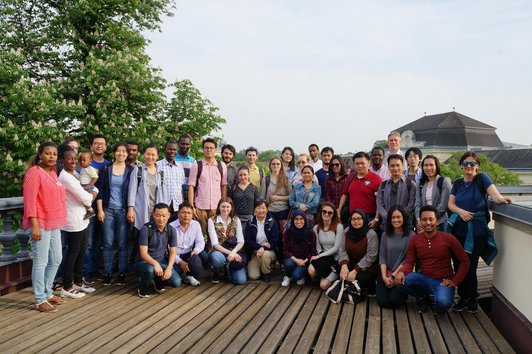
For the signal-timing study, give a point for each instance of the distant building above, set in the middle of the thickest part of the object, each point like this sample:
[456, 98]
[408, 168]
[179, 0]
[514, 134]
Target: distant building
[445, 133]
[518, 161]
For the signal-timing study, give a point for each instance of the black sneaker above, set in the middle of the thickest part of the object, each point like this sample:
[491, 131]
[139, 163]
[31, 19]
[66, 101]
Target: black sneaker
[461, 305]
[158, 285]
[98, 276]
[121, 280]
[107, 279]
[215, 278]
[143, 292]
[372, 293]
[472, 305]
[423, 304]
[266, 278]
[88, 279]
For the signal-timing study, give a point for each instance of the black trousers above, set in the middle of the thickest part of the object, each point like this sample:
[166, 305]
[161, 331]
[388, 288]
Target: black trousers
[77, 244]
[469, 287]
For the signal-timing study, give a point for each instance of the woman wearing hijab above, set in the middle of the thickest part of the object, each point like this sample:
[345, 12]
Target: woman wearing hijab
[358, 259]
[299, 245]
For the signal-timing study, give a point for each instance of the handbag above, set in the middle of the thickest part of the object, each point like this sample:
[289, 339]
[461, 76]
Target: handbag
[343, 291]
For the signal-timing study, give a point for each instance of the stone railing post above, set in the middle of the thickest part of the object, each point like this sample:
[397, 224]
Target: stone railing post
[8, 208]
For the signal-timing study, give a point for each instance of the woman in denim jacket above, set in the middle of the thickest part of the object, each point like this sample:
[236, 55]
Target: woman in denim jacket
[306, 196]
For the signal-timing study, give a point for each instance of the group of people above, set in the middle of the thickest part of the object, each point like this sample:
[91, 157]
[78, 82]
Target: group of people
[170, 219]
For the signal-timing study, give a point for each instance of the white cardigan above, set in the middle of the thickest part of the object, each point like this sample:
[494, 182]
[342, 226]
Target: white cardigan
[76, 198]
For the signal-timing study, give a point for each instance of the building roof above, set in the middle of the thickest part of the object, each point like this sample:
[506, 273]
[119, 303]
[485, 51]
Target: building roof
[451, 129]
[511, 159]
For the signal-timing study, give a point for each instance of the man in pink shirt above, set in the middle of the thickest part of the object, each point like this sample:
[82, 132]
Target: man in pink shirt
[207, 183]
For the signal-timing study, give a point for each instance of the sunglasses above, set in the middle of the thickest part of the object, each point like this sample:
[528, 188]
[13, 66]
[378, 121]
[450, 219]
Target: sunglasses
[356, 218]
[327, 212]
[336, 164]
[469, 163]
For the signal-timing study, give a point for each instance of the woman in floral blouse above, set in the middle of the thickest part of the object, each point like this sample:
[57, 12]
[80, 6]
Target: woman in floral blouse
[225, 232]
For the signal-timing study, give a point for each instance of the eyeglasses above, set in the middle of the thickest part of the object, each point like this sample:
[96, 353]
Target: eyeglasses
[301, 162]
[209, 148]
[356, 218]
[336, 164]
[469, 163]
[327, 212]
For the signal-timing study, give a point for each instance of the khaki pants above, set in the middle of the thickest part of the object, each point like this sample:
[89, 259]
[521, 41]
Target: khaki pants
[203, 216]
[260, 265]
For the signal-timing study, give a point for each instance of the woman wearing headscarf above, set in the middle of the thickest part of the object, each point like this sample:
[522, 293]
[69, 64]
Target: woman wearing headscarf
[358, 259]
[299, 245]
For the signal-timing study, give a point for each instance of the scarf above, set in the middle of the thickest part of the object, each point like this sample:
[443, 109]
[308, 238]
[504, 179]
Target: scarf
[221, 232]
[298, 234]
[358, 234]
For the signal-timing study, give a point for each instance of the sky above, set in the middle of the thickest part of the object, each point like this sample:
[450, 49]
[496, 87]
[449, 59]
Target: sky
[346, 73]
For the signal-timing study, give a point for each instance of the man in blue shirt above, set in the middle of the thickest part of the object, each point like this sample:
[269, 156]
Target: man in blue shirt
[155, 240]
[184, 159]
[322, 174]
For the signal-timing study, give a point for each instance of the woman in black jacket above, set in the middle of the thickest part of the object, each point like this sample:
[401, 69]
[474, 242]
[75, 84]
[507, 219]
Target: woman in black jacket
[261, 237]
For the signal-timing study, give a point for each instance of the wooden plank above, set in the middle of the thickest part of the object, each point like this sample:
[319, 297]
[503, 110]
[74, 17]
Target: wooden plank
[104, 326]
[227, 311]
[493, 332]
[73, 310]
[481, 337]
[416, 326]
[358, 329]
[311, 331]
[467, 340]
[292, 338]
[341, 339]
[388, 332]
[404, 335]
[225, 332]
[275, 339]
[180, 315]
[373, 334]
[268, 326]
[282, 294]
[449, 335]
[328, 330]
[161, 311]
[433, 333]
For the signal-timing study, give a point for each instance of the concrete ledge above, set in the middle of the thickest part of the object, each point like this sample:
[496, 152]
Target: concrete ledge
[15, 275]
[512, 324]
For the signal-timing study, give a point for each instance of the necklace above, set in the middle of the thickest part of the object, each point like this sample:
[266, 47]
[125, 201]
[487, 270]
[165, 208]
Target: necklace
[56, 181]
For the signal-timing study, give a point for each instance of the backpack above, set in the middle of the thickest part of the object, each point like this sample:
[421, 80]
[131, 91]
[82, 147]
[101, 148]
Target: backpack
[482, 190]
[139, 176]
[200, 170]
[135, 235]
[439, 184]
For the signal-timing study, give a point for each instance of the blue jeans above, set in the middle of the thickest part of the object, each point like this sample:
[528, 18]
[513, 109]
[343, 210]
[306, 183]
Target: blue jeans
[46, 254]
[114, 230]
[219, 261]
[92, 253]
[146, 274]
[292, 270]
[419, 285]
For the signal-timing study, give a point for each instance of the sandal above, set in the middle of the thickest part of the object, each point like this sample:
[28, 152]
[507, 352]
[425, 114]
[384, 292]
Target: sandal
[56, 300]
[45, 307]
[71, 293]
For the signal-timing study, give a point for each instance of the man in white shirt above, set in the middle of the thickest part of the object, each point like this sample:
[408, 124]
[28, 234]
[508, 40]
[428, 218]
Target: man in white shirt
[315, 162]
[190, 246]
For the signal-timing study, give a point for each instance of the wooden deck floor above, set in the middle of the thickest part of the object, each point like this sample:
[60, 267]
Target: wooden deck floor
[216, 318]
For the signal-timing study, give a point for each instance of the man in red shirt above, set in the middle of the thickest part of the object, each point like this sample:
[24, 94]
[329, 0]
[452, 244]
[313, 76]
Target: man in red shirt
[433, 250]
[362, 186]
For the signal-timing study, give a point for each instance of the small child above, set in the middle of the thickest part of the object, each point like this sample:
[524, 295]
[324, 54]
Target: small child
[88, 176]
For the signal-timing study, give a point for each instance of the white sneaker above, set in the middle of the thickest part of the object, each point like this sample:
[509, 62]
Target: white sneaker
[301, 281]
[84, 287]
[286, 281]
[190, 280]
[72, 293]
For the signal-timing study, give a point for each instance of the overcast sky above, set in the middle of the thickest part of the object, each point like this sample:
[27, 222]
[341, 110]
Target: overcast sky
[345, 73]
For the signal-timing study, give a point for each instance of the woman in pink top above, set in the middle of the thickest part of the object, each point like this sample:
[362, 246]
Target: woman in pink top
[44, 214]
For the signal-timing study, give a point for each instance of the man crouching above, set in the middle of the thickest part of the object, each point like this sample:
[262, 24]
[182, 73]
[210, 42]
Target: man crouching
[154, 264]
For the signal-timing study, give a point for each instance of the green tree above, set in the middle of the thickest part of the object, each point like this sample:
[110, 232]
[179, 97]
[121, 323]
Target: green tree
[78, 68]
[381, 143]
[498, 174]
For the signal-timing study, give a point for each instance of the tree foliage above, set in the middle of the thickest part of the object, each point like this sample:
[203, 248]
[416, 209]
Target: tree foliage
[79, 68]
[499, 175]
